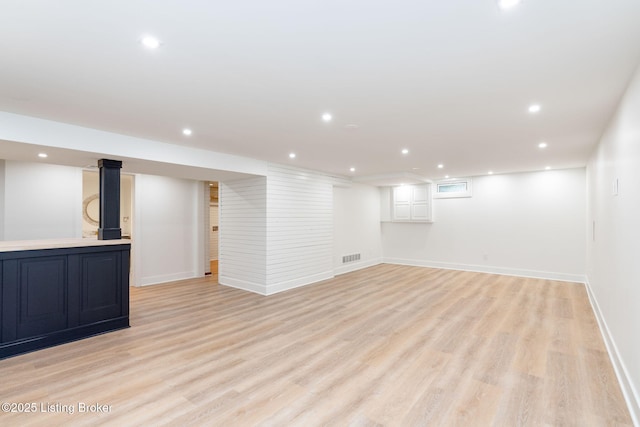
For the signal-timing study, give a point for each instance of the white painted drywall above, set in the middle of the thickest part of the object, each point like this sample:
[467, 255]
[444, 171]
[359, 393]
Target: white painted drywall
[213, 235]
[356, 226]
[2, 166]
[526, 224]
[139, 155]
[42, 201]
[613, 253]
[166, 229]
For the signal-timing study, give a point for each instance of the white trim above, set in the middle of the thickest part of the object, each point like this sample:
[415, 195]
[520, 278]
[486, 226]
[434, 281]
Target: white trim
[563, 277]
[243, 285]
[298, 282]
[164, 278]
[631, 395]
[354, 266]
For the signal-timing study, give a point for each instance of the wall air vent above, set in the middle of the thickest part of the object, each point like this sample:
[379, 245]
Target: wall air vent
[350, 258]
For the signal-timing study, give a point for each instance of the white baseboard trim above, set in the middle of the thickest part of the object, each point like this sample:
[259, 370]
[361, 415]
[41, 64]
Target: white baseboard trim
[296, 283]
[631, 395]
[244, 285]
[354, 266]
[563, 277]
[164, 278]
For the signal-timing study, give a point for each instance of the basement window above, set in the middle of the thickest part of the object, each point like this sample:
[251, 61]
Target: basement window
[452, 188]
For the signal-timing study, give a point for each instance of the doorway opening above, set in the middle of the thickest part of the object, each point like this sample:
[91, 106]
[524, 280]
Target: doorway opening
[214, 204]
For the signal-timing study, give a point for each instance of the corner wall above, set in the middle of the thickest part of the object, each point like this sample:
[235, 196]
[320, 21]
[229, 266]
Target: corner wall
[356, 227]
[526, 224]
[613, 247]
[243, 234]
[166, 229]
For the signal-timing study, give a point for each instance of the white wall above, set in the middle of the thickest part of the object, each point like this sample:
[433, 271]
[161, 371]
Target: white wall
[528, 224]
[213, 235]
[166, 229]
[299, 227]
[2, 166]
[243, 234]
[613, 253]
[356, 226]
[42, 201]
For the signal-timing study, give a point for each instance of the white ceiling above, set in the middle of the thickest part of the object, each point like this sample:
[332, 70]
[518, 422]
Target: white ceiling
[449, 80]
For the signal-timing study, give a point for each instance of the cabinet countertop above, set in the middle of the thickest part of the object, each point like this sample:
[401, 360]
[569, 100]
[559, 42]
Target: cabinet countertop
[32, 245]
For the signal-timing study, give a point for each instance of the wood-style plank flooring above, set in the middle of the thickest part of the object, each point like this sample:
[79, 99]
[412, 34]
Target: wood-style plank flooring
[389, 345]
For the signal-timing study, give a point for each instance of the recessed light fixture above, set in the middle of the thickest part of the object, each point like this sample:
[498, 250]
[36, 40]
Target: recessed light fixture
[43, 155]
[440, 166]
[547, 168]
[327, 117]
[446, 176]
[534, 108]
[490, 173]
[352, 169]
[542, 145]
[187, 131]
[405, 151]
[508, 4]
[150, 42]
[292, 155]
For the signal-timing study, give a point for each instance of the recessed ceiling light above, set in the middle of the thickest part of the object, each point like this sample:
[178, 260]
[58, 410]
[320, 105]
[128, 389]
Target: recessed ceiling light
[405, 151]
[415, 169]
[490, 172]
[508, 4]
[43, 155]
[292, 155]
[187, 131]
[446, 176]
[542, 145]
[150, 42]
[352, 169]
[534, 108]
[327, 117]
[440, 166]
[547, 168]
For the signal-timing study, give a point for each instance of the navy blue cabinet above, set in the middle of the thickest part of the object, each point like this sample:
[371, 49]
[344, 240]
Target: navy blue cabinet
[53, 296]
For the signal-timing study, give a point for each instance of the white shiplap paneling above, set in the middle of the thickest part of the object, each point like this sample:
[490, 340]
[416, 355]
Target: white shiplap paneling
[299, 227]
[243, 234]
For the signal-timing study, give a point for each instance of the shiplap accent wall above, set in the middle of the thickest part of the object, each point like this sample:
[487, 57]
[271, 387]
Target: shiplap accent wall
[276, 232]
[243, 234]
[299, 227]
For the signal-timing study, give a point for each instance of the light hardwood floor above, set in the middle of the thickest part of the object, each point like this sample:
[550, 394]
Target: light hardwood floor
[388, 345]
